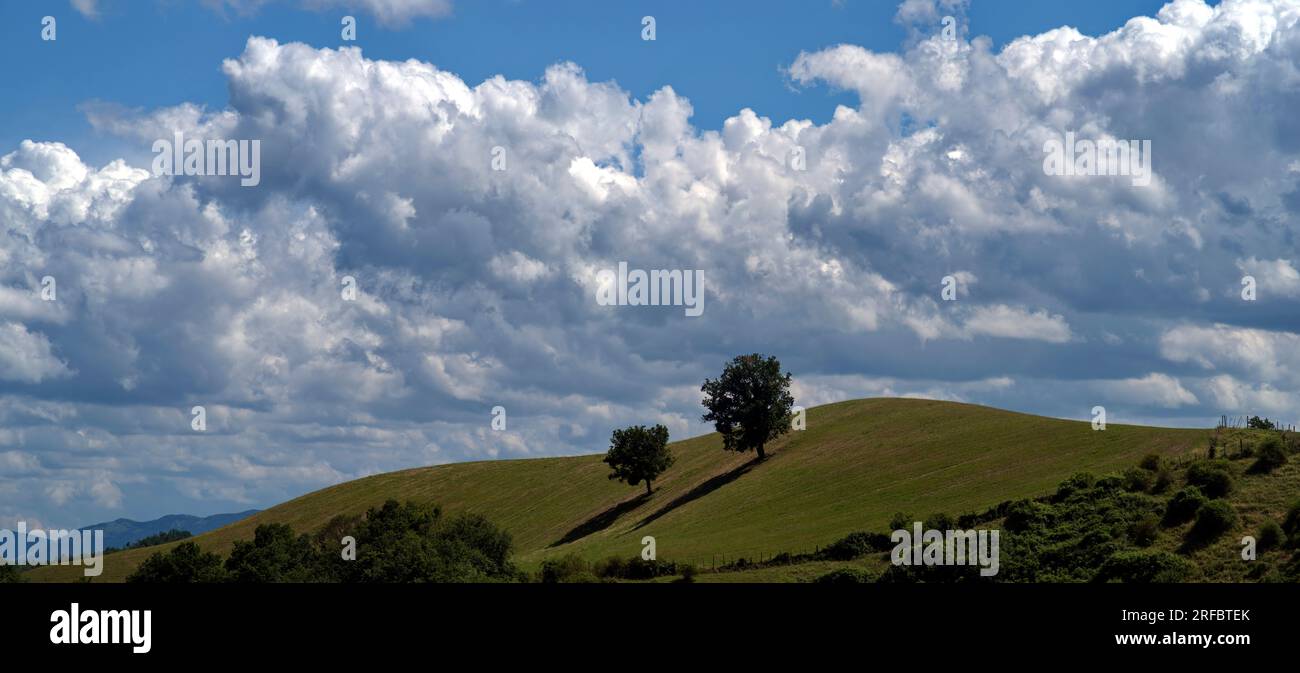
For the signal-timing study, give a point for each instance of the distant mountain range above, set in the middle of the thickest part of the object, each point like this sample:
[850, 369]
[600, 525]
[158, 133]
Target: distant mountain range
[122, 532]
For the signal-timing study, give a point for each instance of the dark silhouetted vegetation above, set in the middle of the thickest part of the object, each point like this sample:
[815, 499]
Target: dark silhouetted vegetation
[183, 564]
[398, 542]
[10, 574]
[573, 569]
[855, 545]
[1270, 536]
[1145, 568]
[1213, 519]
[1213, 477]
[846, 576]
[1184, 505]
[1269, 455]
[154, 540]
[1260, 423]
[1144, 531]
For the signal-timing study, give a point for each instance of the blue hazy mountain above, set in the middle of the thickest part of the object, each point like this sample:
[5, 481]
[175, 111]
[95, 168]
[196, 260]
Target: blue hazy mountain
[122, 532]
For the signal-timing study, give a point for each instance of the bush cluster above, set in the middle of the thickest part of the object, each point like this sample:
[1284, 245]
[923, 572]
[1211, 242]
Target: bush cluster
[573, 569]
[1212, 476]
[398, 542]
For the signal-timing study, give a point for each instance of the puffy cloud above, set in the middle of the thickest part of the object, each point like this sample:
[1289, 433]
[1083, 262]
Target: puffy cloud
[26, 357]
[1234, 396]
[1017, 323]
[1158, 389]
[1272, 276]
[1260, 354]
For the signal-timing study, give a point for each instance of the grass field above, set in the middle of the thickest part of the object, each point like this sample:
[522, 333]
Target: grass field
[855, 464]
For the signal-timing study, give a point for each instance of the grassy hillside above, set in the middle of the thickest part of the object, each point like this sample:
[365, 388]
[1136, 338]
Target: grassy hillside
[856, 464]
[1121, 516]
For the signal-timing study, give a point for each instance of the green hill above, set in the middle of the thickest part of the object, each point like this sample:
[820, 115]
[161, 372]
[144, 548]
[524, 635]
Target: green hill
[856, 464]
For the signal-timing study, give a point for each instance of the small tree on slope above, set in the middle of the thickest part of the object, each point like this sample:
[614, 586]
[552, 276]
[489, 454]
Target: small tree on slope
[639, 454]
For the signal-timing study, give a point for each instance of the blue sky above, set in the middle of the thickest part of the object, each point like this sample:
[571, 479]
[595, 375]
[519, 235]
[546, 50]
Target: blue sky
[152, 53]
[827, 168]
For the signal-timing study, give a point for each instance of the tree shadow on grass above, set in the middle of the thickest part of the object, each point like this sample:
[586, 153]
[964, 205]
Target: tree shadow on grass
[601, 521]
[702, 490]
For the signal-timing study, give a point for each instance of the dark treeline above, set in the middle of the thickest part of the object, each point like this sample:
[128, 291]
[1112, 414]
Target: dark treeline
[398, 542]
[154, 540]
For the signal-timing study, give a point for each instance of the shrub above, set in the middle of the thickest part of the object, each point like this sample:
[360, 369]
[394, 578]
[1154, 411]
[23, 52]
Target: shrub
[183, 564]
[1260, 423]
[410, 542]
[330, 565]
[1260, 572]
[1144, 567]
[1213, 477]
[641, 569]
[1137, 480]
[635, 568]
[1213, 519]
[1150, 462]
[688, 574]
[274, 555]
[613, 566]
[853, 545]
[1164, 479]
[1144, 531]
[900, 521]
[9, 574]
[846, 576]
[1270, 536]
[1270, 455]
[1079, 482]
[1111, 482]
[568, 569]
[1023, 515]
[940, 521]
[1183, 506]
[1291, 523]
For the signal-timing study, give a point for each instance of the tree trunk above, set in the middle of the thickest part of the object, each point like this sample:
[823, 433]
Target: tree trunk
[761, 454]
[647, 487]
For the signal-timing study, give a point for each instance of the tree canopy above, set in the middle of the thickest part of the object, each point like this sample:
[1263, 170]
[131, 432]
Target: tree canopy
[750, 403]
[638, 454]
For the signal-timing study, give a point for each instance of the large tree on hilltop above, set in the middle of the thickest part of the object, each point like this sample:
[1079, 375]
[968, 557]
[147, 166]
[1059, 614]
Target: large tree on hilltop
[750, 403]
